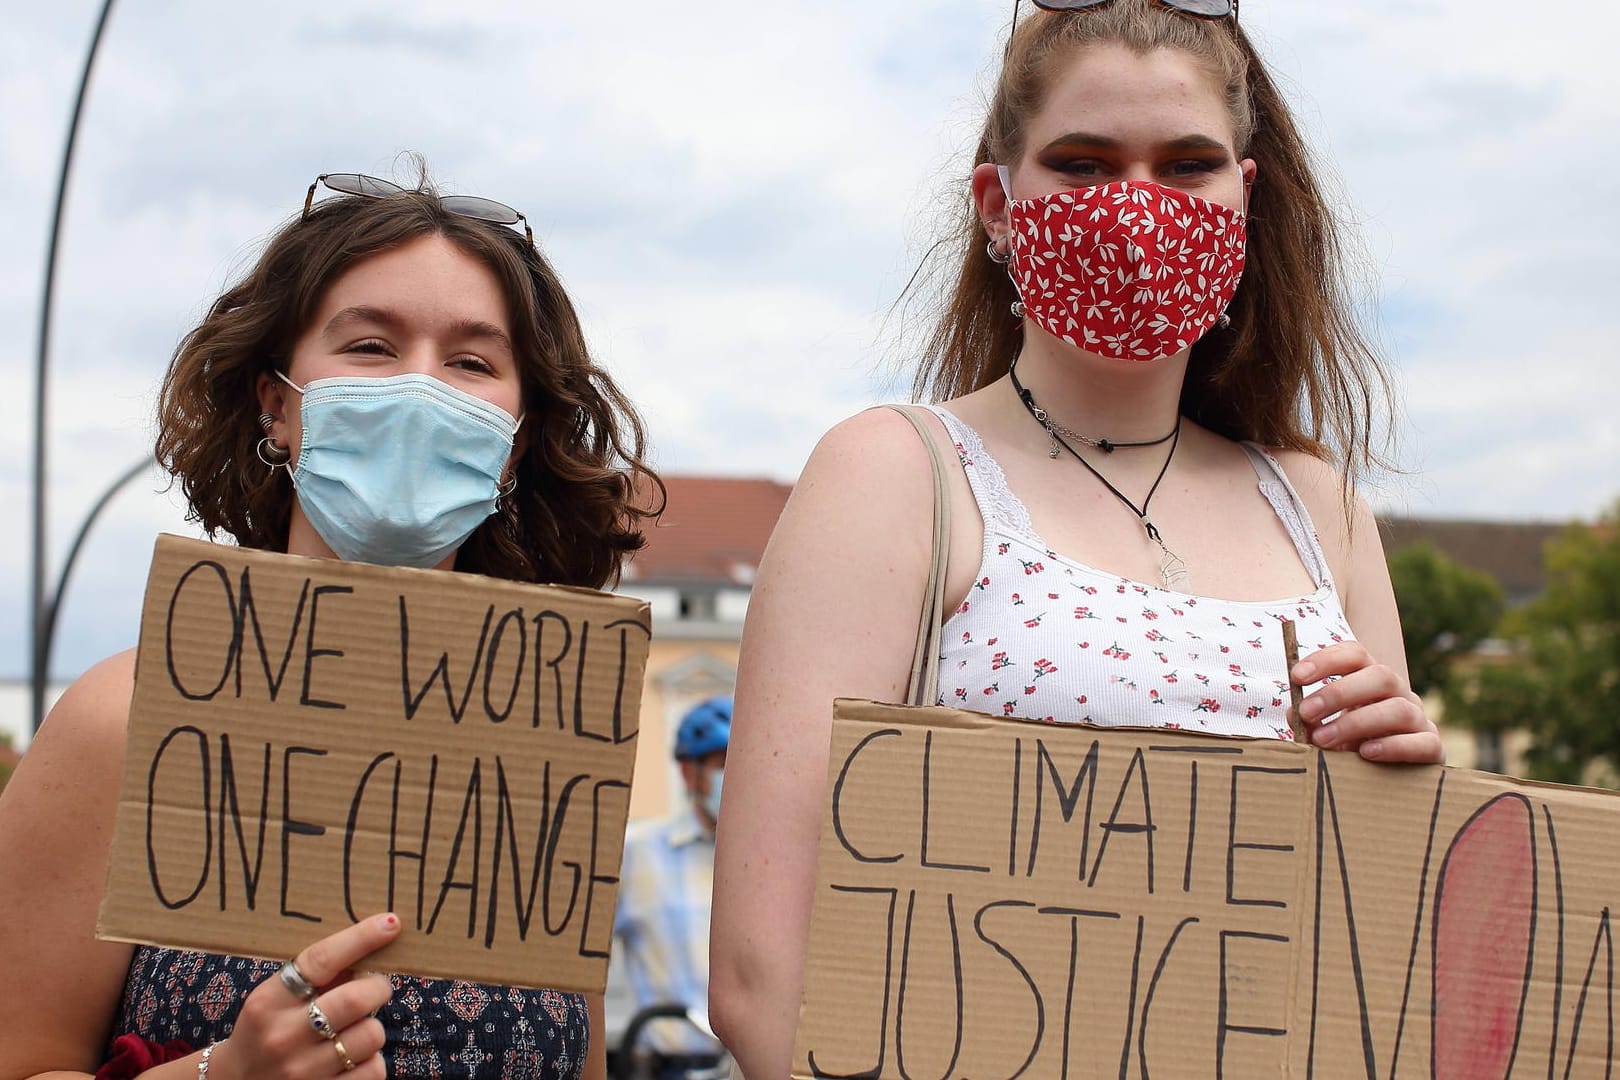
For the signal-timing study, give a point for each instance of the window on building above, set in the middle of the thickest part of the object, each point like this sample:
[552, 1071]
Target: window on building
[698, 605]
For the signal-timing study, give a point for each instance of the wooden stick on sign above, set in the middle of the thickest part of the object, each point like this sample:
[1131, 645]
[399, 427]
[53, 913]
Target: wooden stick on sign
[1295, 694]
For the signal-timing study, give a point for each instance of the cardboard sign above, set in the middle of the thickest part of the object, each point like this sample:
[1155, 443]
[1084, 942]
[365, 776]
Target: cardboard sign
[314, 741]
[999, 898]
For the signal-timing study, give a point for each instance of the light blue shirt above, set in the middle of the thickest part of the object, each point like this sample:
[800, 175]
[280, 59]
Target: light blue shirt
[662, 923]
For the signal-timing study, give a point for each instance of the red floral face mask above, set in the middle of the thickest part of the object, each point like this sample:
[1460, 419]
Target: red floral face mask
[1130, 270]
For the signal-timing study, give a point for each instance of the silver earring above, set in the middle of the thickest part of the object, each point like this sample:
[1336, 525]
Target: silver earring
[266, 421]
[997, 256]
[273, 453]
[504, 490]
[1224, 321]
[1018, 309]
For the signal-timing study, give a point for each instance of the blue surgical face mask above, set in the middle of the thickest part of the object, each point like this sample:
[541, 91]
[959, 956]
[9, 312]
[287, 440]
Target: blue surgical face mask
[711, 801]
[398, 471]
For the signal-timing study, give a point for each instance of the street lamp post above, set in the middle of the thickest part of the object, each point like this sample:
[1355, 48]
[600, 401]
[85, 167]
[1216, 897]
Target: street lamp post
[53, 604]
[43, 611]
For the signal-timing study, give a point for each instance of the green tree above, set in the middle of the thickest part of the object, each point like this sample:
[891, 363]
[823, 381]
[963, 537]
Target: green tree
[1446, 609]
[1562, 684]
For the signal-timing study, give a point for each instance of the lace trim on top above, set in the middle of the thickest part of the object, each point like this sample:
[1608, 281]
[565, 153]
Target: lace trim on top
[1290, 508]
[997, 504]
[1042, 636]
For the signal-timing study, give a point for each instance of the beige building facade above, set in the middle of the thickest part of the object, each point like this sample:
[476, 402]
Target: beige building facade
[696, 571]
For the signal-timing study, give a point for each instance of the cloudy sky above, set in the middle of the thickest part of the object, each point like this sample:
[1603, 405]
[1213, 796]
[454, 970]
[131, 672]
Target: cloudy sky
[735, 193]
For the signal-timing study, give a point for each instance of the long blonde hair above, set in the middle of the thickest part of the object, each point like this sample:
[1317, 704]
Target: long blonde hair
[1294, 370]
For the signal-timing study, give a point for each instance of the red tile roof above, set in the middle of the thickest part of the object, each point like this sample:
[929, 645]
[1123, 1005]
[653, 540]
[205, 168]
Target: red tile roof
[714, 530]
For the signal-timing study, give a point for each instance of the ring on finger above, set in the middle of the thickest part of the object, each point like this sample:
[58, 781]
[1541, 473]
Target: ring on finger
[318, 1021]
[343, 1054]
[293, 979]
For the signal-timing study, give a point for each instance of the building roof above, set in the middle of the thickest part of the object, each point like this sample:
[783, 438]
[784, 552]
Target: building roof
[713, 531]
[1509, 551]
[715, 528]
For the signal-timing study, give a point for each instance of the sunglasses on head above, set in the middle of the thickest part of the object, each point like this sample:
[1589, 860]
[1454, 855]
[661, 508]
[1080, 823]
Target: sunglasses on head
[371, 187]
[1202, 9]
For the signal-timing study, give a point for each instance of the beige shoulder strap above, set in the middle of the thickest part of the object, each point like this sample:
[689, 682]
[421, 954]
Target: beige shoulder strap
[923, 685]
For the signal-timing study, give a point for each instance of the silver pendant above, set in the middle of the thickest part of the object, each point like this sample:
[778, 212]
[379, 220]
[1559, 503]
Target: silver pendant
[1172, 570]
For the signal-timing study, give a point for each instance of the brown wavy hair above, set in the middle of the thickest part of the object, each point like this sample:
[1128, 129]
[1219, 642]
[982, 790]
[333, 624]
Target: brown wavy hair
[574, 515]
[1294, 370]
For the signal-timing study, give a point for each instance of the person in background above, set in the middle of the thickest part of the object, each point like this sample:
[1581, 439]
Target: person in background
[662, 922]
[399, 380]
[1154, 398]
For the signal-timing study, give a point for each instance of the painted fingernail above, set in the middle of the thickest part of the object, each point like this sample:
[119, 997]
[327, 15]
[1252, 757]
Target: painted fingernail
[390, 921]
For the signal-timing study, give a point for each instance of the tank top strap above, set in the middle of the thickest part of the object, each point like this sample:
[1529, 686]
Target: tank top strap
[1290, 509]
[998, 506]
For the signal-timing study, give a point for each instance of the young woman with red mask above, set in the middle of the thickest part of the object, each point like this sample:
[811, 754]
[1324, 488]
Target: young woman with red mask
[1159, 401]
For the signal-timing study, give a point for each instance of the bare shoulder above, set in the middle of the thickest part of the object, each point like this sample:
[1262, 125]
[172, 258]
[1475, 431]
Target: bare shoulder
[80, 745]
[834, 605]
[878, 445]
[1321, 488]
[96, 705]
[865, 472]
[1349, 533]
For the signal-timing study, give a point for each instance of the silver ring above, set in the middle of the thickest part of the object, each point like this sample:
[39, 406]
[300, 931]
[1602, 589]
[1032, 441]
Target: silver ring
[318, 1021]
[293, 979]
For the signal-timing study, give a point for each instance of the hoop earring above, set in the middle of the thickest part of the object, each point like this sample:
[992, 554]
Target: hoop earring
[1018, 309]
[506, 511]
[997, 256]
[273, 453]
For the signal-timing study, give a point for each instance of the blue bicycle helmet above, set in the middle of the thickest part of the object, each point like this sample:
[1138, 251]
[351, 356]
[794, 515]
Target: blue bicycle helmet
[705, 729]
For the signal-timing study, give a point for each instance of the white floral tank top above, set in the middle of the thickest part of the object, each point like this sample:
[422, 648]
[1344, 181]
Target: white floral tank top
[1044, 637]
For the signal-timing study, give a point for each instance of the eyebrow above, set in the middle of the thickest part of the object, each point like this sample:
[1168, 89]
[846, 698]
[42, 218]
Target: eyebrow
[1181, 143]
[460, 328]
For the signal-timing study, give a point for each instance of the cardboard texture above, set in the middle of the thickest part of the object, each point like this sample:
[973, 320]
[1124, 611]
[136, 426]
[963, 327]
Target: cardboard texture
[999, 898]
[314, 741]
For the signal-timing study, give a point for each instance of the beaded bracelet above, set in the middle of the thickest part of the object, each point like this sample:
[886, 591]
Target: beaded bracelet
[202, 1062]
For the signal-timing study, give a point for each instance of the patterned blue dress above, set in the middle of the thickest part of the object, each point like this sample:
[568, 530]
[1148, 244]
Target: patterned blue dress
[435, 1028]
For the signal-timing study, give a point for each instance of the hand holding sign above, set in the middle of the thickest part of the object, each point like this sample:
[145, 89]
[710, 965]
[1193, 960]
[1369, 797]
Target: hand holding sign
[310, 740]
[281, 1035]
[1378, 715]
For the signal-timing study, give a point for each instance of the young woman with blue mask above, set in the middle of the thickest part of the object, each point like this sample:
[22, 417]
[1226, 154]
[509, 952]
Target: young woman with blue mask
[1153, 397]
[402, 380]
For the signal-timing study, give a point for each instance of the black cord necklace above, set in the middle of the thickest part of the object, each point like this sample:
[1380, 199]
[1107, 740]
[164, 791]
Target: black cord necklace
[1060, 434]
[1172, 570]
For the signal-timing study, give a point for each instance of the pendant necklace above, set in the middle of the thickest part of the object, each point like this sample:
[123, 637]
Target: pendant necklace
[1172, 570]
